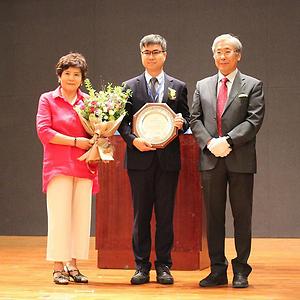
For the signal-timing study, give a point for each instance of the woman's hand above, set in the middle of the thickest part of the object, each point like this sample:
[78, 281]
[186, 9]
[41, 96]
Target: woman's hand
[83, 143]
[79, 142]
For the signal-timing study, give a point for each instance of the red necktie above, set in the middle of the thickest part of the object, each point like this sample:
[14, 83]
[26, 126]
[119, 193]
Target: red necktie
[222, 99]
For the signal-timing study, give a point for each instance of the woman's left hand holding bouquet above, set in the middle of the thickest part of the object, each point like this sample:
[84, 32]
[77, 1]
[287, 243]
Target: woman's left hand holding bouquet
[84, 143]
[79, 142]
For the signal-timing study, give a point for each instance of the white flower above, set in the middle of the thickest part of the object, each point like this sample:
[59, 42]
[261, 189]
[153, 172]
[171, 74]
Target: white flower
[171, 94]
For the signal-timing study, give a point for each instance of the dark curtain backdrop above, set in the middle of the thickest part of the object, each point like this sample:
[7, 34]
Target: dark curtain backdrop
[35, 33]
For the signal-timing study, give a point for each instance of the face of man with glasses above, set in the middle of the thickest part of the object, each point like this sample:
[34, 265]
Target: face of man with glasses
[226, 57]
[153, 58]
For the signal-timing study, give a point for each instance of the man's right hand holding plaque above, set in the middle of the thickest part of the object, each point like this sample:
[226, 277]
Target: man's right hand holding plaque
[156, 125]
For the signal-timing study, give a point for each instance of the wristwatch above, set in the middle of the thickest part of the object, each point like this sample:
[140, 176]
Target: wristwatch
[229, 140]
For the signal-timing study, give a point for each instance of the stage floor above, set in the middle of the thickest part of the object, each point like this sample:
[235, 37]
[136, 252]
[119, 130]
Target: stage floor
[25, 274]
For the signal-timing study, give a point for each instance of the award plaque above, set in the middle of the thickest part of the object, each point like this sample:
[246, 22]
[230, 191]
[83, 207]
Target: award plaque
[154, 122]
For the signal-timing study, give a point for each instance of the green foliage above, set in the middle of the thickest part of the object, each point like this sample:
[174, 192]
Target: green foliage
[106, 105]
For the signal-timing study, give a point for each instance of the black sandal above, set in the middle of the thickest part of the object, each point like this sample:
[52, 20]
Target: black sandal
[78, 277]
[60, 277]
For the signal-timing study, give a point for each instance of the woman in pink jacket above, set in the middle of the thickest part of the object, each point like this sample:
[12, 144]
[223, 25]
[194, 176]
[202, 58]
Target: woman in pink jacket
[67, 181]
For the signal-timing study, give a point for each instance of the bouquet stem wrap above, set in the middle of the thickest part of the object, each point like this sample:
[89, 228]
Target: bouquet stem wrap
[102, 148]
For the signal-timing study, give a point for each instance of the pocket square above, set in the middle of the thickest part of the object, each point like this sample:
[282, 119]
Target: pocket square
[243, 95]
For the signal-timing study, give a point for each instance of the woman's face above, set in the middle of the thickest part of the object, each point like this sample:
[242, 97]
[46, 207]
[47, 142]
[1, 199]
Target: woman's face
[71, 79]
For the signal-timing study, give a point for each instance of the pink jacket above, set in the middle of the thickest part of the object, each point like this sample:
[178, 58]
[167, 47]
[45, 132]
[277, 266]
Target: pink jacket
[55, 115]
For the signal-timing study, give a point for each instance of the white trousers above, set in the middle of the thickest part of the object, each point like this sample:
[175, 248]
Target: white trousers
[69, 202]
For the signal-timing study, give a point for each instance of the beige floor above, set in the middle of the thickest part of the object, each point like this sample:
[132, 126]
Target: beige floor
[24, 274]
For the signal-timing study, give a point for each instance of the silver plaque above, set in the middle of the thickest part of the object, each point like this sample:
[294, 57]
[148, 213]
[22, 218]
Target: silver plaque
[154, 122]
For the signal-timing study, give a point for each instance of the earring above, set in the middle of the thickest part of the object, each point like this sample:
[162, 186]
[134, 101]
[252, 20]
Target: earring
[59, 81]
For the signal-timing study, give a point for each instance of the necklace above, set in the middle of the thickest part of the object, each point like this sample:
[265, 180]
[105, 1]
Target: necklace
[72, 101]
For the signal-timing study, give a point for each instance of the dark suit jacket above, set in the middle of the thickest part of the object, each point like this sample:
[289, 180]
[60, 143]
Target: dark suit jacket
[169, 157]
[241, 120]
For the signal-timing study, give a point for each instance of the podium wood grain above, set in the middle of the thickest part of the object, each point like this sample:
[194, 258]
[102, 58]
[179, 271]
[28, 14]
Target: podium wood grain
[114, 213]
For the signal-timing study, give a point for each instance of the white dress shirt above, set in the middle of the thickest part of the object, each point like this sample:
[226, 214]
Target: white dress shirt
[229, 83]
[159, 86]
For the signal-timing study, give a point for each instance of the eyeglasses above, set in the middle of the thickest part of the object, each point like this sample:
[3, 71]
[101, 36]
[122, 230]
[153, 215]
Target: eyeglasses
[154, 52]
[226, 53]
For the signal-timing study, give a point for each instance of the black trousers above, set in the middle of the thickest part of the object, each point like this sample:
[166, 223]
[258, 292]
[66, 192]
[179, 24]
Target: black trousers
[240, 188]
[153, 188]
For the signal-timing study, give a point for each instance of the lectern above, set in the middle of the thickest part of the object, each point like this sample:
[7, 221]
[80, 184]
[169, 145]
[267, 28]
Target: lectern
[114, 216]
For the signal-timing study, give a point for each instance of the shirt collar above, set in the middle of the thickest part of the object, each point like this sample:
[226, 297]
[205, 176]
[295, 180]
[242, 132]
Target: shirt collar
[159, 77]
[57, 94]
[230, 76]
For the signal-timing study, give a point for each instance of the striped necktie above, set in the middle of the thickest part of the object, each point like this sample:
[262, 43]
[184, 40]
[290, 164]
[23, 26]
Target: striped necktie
[153, 81]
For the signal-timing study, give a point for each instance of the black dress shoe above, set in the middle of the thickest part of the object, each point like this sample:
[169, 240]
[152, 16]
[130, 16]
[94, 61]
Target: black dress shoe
[214, 279]
[240, 281]
[163, 275]
[140, 277]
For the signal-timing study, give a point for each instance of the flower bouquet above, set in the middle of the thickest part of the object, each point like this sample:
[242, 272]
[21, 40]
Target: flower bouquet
[101, 114]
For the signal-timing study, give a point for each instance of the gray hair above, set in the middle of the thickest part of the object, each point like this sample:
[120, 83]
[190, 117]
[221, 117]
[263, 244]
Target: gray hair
[153, 39]
[233, 40]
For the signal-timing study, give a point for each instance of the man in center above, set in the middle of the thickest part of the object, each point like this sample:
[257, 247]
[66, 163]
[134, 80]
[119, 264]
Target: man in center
[153, 172]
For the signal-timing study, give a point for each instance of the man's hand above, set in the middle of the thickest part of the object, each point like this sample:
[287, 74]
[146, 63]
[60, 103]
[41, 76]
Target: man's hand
[178, 121]
[219, 147]
[226, 152]
[142, 145]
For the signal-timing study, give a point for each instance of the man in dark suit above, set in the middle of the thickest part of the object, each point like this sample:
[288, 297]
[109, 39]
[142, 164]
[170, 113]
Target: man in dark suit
[227, 112]
[153, 173]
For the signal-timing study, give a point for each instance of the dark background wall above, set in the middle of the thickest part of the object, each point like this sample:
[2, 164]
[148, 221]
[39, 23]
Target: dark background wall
[35, 33]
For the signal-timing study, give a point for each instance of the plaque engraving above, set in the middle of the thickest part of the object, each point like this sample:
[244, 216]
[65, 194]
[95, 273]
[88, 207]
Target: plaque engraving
[155, 123]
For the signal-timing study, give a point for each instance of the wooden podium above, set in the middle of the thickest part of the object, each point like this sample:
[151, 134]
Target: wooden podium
[114, 217]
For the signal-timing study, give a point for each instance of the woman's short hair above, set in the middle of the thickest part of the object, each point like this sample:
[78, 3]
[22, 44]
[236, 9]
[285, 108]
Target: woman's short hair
[153, 39]
[230, 38]
[73, 59]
